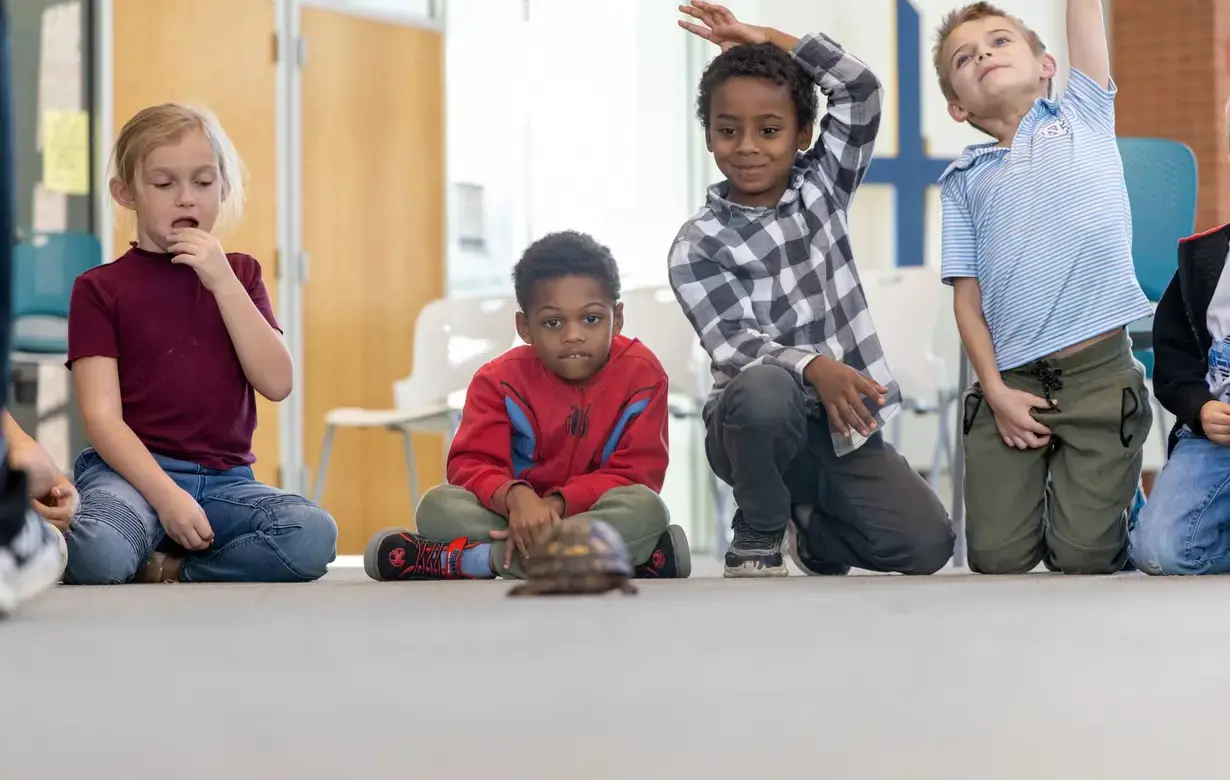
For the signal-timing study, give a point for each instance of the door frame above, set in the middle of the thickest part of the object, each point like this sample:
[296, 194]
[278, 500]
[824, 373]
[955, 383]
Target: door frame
[294, 263]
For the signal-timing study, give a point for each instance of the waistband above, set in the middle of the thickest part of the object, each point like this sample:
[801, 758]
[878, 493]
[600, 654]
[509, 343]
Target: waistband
[1113, 353]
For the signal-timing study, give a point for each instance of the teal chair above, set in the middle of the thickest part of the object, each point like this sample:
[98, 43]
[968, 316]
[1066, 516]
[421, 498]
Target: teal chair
[44, 269]
[1162, 183]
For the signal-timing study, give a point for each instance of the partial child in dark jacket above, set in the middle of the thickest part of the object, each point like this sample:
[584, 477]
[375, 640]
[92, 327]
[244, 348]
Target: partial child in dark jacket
[1185, 526]
[575, 422]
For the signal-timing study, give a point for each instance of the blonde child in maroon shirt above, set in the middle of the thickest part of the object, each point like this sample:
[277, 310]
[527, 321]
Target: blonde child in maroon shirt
[168, 346]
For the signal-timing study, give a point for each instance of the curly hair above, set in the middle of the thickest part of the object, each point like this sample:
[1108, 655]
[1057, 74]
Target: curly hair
[763, 61]
[566, 253]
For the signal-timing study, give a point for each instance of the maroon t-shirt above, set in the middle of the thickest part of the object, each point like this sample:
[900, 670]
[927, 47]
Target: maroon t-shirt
[183, 389]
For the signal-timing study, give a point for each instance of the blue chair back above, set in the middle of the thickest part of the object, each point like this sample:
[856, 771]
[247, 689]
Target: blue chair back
[1162, 182]
[44, 269]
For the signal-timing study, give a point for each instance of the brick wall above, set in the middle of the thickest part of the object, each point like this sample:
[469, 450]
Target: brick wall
[1170, 63]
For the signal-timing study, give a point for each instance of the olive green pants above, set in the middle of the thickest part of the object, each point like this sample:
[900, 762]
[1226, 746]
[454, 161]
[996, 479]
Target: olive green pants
[1067, 503]
[637, 513]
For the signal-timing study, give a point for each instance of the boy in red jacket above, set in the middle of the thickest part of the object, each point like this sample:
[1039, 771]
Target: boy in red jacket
[573, 423]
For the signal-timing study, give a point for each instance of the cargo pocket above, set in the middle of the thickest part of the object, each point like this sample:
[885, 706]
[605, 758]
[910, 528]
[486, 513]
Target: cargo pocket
[1135, 412]
[972, 403]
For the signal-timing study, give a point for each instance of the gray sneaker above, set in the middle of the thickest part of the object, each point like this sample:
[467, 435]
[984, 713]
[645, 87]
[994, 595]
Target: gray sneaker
[753, 553]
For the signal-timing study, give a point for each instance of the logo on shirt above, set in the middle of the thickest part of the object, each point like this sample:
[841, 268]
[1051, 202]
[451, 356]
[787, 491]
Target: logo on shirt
[1054, 129]
[1218, 376]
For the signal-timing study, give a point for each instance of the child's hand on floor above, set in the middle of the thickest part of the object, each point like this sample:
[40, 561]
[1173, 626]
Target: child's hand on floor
[1215, 419]
[841, 390]
[1017, 427]
[185, 521]
[721, 26]
[529, 518]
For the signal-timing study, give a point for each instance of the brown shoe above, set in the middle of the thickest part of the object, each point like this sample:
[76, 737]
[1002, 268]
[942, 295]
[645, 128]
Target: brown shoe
[158, 567]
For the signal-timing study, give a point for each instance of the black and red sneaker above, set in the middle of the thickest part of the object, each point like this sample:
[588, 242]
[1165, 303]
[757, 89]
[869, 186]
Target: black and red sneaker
[400, 554]
[671, 559]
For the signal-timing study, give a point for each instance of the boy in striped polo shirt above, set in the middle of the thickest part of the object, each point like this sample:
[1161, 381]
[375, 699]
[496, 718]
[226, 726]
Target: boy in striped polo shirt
[1037, 243]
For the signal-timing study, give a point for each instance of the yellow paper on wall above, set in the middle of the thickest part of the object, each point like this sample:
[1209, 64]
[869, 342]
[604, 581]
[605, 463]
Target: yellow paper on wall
[66, 151]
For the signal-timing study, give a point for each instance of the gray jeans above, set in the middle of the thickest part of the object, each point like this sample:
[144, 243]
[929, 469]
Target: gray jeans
[769, 440]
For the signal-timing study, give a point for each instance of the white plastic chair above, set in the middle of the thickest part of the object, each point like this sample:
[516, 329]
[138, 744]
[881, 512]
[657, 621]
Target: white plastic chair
[653, 315]
[912, 312]
[453, 338]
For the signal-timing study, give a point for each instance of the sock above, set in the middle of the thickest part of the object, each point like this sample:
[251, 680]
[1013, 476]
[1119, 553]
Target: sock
[476, 562]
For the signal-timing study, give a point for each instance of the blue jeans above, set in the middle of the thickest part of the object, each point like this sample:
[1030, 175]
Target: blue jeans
[1185, 526]
[261, 534]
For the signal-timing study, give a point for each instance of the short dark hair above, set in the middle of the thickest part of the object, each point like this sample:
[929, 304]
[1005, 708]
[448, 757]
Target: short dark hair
[763, 61]
[566, 253]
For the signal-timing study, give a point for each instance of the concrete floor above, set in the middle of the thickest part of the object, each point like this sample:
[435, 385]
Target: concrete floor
[953, 676]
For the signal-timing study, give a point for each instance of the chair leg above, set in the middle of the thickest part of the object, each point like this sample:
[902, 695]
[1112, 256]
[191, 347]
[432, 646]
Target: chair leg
[941, 458]
[408, 440]
[325, 451]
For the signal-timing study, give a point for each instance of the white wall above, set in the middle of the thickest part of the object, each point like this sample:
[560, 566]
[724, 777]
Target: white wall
[595, 140]
[486, 95]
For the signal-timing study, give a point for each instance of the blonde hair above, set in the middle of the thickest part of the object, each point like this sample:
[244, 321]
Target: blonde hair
[970, 13]
[158, 126]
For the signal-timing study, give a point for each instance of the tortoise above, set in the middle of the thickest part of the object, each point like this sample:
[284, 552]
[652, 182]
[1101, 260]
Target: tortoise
[578, 556]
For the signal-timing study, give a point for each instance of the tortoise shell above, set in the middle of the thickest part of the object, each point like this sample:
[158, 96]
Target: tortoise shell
[578, 556]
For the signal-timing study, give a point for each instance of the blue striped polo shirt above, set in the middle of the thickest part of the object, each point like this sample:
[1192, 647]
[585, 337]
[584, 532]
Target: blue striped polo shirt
[1045, 227]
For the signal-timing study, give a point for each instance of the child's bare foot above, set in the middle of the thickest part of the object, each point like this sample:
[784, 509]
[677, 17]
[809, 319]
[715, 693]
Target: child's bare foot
[159, 567]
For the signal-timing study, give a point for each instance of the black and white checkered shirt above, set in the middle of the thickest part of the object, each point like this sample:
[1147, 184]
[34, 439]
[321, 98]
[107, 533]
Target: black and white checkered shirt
[778, 286]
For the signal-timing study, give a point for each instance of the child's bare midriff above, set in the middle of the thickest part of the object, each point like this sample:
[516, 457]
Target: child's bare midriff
[1072, 350]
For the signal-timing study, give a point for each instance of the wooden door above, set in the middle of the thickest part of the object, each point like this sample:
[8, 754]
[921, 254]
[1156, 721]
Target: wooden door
[218, 54]
[373, 226]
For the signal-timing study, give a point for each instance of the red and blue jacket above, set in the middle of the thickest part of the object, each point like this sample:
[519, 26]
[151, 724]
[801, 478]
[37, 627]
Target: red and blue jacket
[523, 424]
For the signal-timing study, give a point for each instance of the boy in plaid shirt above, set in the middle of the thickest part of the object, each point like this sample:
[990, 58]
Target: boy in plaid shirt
[765, 273]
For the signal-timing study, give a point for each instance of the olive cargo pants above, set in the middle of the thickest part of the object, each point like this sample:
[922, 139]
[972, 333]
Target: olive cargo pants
[637, 513]
[1066, 504]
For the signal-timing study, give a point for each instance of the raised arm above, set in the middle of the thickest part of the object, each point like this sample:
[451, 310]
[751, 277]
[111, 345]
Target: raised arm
[1087, 48]
[848, 129]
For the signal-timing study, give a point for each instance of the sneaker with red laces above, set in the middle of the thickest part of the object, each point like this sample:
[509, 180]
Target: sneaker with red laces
[399, 554]
[671, 559]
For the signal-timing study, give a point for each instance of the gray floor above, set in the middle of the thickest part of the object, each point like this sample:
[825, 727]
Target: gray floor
[953, 676]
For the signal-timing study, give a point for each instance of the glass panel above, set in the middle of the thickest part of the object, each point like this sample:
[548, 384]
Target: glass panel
[51, 50]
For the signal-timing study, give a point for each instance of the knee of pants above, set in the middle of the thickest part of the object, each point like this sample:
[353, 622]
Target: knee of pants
[106, 542]
[309, 543]
[436, 516]
[762, 399]
[1158, 546]
[649, 508]
[1071, 559]
[1016, 558]
[932, 545]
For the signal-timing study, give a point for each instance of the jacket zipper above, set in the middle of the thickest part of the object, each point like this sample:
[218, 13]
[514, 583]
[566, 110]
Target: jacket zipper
[576, 440]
